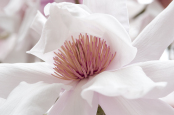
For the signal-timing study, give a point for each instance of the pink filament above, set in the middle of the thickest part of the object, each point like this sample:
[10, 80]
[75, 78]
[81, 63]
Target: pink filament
[82, 58]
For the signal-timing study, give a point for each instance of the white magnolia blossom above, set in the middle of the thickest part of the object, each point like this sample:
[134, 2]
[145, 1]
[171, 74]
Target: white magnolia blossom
[130, 85]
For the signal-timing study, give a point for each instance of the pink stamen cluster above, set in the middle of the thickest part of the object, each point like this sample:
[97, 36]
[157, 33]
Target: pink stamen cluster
[82, 58]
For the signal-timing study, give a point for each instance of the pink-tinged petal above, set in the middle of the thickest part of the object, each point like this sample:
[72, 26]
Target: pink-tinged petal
[155, 38]
[130, 82]
[116, 8]
[122, 106]
[61, 25]
[31, 99]
[12, 74]
[71, 103]
[169, 99]
[38, 23]
[159, 71]
[2, 101]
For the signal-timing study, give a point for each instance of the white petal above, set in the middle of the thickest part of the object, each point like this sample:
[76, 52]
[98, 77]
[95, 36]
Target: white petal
[145, 1]
[165, 55]
[12, 74]
[71, 103]
[47, 9]
[155, 38]
[169, 99]
[130, 82]
[77, 10]
[31, 99]
[116, 8]
[159, 71]
[122, 106]
[38, 22]
[61, 25]
[2, 101]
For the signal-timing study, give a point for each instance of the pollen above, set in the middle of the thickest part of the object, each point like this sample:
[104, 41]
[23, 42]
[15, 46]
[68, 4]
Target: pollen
[83, 57]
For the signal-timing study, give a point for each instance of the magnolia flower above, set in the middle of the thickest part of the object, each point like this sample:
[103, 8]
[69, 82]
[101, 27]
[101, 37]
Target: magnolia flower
[95, 62]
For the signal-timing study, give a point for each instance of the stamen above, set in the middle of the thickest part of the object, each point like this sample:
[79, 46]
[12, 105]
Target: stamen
[82, 58]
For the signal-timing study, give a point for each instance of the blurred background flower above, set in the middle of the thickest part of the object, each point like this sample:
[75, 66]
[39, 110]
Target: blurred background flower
[141, 13]
[16, 36]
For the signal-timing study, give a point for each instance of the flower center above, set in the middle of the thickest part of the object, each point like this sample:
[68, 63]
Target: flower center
[82, 58]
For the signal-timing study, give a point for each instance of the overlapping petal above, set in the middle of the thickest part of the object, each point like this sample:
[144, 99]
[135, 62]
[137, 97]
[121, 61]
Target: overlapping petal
[156, 37]
[122, 106]
[75, 10]
[38, 22]
[31, 99]
[129, 82]
[71, 103]
[116, 8]
[62, 24]
[12, 74]
[159, 71]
